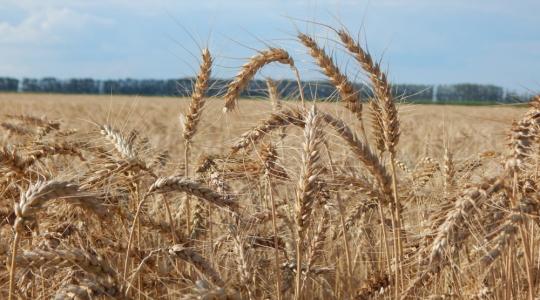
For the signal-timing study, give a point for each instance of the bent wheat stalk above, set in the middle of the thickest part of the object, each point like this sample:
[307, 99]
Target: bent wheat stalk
[180, 184]
[276, 120]
[348, 93]
[197, 260]
[363, 152]
[249, 69]
[33, 199]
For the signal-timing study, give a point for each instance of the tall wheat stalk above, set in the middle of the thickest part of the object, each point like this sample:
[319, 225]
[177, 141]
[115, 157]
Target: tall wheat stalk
[387, 123]
[269, 157]
[307, 187]
[192, 119]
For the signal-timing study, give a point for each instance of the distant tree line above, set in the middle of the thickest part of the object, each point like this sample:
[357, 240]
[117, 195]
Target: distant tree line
[288, 89]
[9, 84]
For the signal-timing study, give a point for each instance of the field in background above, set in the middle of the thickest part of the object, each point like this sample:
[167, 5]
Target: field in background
[468, 131]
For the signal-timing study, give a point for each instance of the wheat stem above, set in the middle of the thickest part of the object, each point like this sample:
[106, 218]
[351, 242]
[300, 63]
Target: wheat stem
[12, 266]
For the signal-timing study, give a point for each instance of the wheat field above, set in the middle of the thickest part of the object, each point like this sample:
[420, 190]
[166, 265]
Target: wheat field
[192, 198]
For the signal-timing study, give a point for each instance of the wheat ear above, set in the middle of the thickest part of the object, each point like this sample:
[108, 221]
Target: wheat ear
[249, 69]
[348, 93]
[384, 99]
[120, 143]
[197, 260]
[307, 187]
[198, 96]
[452, 232]
[364, 154]
[275, 120]
[181, 184]
[273, 94]
[33, 199]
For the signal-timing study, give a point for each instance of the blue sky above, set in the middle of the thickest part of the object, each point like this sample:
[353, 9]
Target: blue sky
[419, 41]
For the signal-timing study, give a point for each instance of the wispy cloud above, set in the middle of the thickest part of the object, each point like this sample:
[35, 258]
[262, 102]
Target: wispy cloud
[51, 25]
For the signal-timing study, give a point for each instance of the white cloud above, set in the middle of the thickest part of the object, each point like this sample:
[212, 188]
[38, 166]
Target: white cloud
[47, 26]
